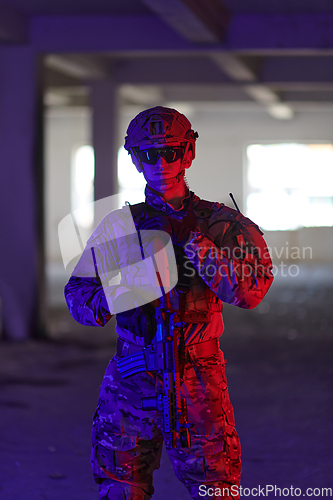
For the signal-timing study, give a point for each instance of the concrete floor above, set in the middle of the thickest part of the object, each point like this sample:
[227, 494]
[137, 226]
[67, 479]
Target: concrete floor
[280, 375]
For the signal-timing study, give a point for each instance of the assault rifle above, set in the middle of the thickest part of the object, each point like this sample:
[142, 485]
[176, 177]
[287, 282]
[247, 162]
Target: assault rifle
[162, 356]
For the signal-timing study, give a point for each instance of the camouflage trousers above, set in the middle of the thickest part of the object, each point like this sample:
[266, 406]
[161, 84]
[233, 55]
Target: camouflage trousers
[127, 441]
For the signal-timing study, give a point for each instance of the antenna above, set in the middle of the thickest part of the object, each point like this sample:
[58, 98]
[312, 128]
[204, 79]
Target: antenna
[234, 201]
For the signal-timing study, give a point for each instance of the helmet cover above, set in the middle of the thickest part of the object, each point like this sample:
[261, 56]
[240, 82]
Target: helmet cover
[159, 125]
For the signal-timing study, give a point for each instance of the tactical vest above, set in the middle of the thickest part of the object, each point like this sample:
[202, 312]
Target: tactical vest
[196, 301]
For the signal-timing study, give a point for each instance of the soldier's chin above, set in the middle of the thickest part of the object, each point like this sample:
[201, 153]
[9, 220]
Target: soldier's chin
[162, 183]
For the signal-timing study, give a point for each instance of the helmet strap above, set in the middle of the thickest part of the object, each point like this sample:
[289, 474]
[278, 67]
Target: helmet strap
[134, 153]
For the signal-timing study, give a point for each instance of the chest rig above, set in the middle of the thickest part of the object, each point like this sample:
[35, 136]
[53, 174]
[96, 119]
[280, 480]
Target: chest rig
[188, 277]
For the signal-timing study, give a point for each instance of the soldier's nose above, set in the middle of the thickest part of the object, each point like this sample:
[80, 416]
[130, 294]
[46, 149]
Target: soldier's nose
[161, 164]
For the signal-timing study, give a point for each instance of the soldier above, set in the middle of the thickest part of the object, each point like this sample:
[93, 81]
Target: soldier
[221, 257]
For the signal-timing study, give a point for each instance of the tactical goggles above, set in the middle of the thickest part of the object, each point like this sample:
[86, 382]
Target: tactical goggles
[151, 155]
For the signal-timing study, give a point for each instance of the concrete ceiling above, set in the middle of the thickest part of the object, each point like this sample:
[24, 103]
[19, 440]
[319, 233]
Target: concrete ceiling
[277, 54]
[133, 7]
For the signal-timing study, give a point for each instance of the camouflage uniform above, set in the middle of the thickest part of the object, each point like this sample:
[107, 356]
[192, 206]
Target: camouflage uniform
[127, 442]
[232, 265]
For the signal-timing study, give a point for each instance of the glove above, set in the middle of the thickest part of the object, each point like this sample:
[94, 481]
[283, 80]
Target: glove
[139, 320]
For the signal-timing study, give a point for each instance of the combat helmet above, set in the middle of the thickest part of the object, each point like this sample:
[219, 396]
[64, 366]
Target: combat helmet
[159, 125]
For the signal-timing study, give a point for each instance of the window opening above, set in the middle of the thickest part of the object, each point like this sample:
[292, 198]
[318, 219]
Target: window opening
[83, 174]
[290, 185]
[131, 182]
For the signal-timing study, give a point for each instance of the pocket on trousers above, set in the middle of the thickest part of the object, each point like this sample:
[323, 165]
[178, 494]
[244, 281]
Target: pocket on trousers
[108, 436]
[206, 445]
[113, 456]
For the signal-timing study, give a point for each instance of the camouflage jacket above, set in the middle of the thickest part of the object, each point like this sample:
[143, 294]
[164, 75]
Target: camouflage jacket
[227, 261]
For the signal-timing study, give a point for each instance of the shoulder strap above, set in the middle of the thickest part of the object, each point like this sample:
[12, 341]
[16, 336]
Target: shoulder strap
[137, 209]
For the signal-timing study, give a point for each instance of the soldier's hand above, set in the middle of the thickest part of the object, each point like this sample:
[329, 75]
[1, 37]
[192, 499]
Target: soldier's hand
[139, 320]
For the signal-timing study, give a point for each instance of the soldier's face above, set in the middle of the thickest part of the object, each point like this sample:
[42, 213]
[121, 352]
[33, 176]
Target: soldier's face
[163, 163]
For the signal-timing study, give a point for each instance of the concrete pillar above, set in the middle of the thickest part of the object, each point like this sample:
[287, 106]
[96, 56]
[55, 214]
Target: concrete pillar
[19, 247]
[105, 107]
